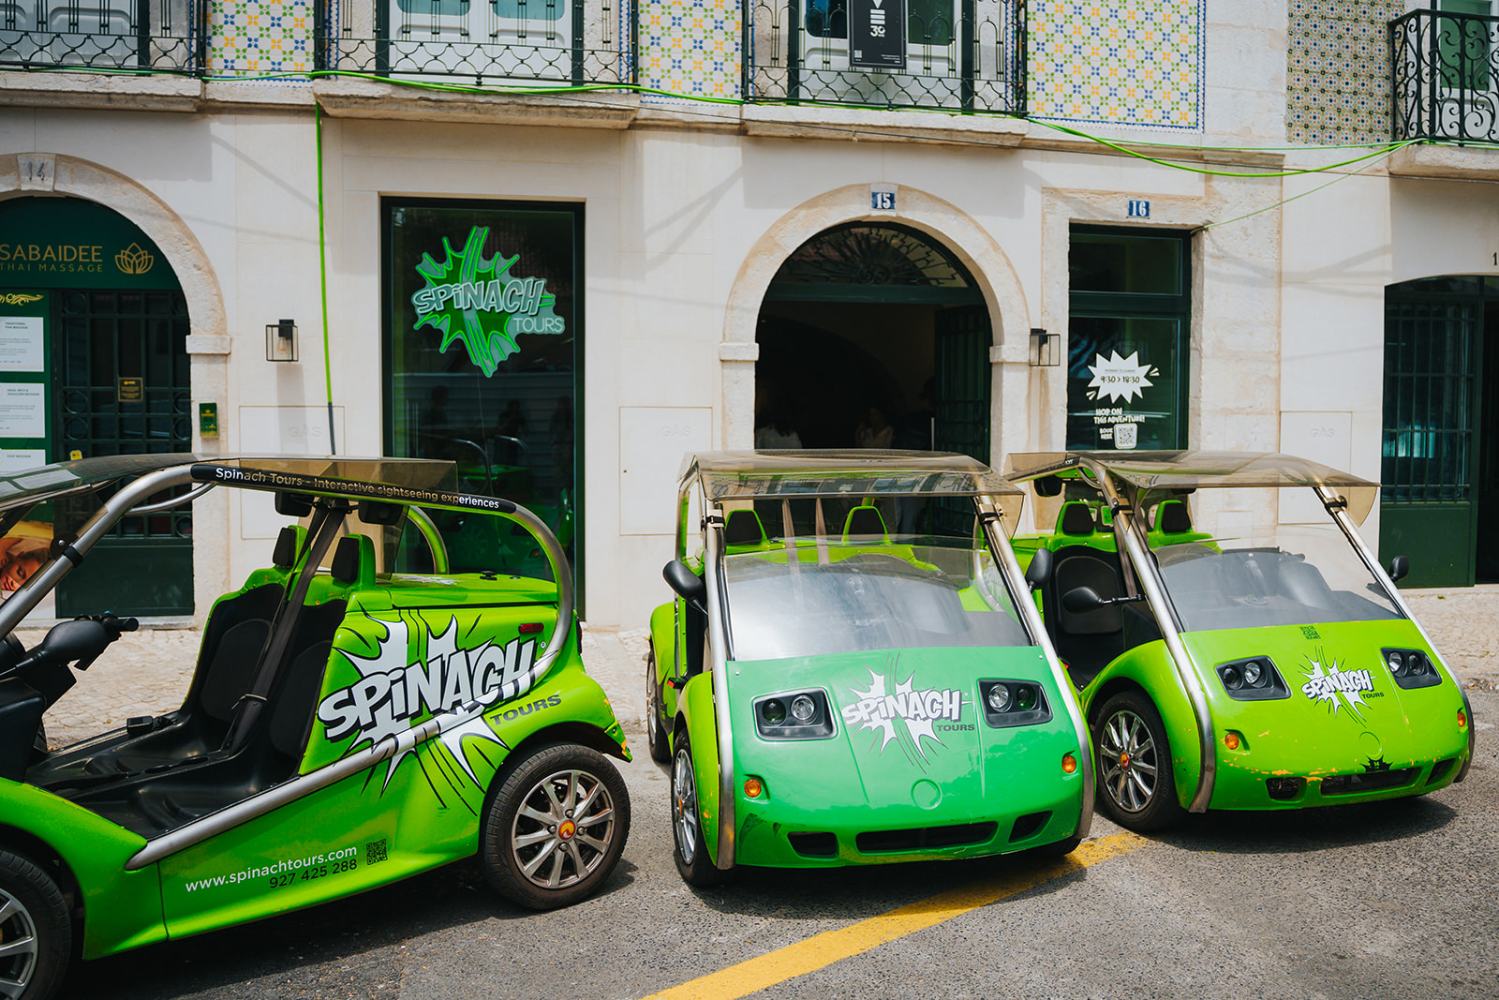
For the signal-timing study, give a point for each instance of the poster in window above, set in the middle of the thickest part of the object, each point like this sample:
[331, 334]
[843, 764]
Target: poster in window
[1122, 391]
[877, 34]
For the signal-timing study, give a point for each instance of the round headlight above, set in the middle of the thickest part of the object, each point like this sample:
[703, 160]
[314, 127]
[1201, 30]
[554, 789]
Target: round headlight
[773, 711]
[803, 708]
[1025, 698]
[1233, 678]
[1417, 663]
[999, 698]
[1254, 674]
[1397, 663]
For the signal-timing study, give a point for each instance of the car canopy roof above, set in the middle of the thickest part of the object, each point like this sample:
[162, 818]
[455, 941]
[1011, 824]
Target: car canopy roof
[734, 475]
[50, 482]
[1155, 472]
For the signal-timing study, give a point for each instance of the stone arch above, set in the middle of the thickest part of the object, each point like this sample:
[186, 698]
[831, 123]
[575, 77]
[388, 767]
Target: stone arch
[990, 266]
[208, 342]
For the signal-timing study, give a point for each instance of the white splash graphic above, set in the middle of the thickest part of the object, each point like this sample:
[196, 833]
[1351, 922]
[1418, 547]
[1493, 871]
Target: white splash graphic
[918, 711]
[393, 692]
[1117, 378]
[1332, 684]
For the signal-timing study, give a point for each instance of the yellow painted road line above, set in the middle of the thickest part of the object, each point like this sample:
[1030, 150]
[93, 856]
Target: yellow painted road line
[822, 950]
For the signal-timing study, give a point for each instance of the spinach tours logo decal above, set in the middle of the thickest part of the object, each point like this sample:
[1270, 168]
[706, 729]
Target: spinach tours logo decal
[396, 690]
[907, 715]
[479, 302]
[1338, 688]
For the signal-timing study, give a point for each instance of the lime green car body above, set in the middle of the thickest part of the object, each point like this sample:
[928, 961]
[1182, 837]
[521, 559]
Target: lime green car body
[417, 692]
[909, 768]
[1340, 729]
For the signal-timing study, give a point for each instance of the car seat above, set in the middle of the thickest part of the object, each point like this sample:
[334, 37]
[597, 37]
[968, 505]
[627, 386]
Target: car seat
[1173, 518]
[865, 520]
[743, 531]
[1076, 519]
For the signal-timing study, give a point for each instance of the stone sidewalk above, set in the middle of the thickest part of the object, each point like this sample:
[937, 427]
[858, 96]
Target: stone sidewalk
[147, 672]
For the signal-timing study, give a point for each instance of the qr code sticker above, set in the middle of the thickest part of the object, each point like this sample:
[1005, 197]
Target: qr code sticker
[375, 852]
[1126, 435]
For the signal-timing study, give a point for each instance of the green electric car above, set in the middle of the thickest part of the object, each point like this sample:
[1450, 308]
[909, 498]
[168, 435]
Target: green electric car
[1234, 642]
[346, 724]
[852, 672]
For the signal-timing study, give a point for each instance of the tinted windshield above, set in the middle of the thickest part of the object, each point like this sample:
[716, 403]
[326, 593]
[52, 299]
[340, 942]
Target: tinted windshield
[1232, 564]
[858, 584]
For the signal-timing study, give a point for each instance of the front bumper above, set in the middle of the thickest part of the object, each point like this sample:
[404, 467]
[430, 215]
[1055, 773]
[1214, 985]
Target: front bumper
[1243, 785]
[776, 834]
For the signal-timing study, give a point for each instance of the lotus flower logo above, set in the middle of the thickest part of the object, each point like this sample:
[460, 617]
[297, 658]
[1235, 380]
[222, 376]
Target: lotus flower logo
[134, 259]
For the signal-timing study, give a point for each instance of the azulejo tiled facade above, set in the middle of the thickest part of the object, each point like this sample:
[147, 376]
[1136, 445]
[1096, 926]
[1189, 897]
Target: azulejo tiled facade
[1338, 70]
[690, 47]
[256, 37]
[1118, 62]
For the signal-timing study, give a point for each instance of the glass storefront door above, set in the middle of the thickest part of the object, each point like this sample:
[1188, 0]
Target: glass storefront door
[483, 324]
[1128, 337]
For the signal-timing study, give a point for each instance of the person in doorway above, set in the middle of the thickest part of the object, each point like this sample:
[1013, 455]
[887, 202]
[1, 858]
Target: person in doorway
[776, 427]
[916, 431]
[874, 430]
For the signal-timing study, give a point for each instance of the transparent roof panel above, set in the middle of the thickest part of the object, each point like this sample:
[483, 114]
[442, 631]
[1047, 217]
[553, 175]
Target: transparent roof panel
[728, 475]
[1168, 471]
[50, 482]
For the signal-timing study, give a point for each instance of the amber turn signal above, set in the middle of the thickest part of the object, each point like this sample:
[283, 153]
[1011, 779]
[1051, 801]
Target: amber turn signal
[1069, 763]
[1462, 719]
[1231, 740]
[753, 788]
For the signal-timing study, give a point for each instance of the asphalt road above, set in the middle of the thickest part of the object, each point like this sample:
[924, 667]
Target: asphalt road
[1396, 899]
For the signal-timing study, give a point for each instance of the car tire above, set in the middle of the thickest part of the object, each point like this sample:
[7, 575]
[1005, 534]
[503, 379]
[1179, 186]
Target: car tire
[688, 849]
[33, 907]
[655, 732]
[568, 784]
[1136, 783]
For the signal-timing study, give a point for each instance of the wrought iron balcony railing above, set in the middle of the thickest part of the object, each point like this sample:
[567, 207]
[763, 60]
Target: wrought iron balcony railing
[966, 55]
[1445, 70]
[164, 35]
[483, 42]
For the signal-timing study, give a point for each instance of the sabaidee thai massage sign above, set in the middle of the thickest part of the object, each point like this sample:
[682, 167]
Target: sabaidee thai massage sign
[481, 302]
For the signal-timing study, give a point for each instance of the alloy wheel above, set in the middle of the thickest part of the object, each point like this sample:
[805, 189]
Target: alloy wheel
[1127, 761]
[684, 805]
[563, 829]
[18, 946]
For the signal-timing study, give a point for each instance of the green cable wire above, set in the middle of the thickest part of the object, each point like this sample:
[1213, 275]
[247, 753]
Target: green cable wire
[322, 259]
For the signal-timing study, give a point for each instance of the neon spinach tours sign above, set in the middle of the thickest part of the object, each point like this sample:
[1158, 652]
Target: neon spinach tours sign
[479, 302]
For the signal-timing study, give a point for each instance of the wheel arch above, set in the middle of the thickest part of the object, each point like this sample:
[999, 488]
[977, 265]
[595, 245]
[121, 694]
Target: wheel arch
[39, 852]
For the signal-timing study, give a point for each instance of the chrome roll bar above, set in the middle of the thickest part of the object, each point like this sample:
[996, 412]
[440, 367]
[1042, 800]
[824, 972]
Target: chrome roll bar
[1154, 588]
[992, 517]
[66, 555]
[718, 653]
[428, 530]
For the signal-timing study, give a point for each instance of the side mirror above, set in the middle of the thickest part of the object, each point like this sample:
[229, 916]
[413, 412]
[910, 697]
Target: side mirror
[1081, 600]
[1039, 571]
[1400, 568]
[1049, 486]
[687, 584]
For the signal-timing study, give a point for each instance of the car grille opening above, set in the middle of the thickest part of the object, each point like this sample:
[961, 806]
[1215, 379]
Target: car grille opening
[1284, 789]
[1373, 781]
[814, 845]
[880, 841]
[1439, 770]
[1028, 825]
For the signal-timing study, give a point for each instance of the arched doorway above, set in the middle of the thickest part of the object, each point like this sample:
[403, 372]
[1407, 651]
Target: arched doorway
[1439, 502]
[94, 362]
[873, 335]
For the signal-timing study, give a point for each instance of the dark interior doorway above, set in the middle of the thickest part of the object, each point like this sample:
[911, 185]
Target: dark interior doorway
[873, 336]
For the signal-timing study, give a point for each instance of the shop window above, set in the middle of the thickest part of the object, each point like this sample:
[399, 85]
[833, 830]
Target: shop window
[483, 333]
[1130, 320]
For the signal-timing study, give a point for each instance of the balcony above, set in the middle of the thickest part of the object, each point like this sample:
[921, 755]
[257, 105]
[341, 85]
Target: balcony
[161, 35]
[1445, 70]
[959, 55]
[492, 43]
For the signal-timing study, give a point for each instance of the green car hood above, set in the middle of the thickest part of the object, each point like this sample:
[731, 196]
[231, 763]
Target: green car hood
[1345, 713]
[910, 738]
